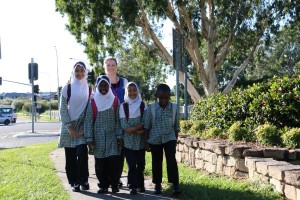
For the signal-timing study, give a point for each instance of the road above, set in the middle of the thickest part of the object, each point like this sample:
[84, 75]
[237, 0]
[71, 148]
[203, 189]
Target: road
[8, 133]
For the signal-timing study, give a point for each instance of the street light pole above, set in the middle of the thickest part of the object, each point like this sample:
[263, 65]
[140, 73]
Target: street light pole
[58, 95]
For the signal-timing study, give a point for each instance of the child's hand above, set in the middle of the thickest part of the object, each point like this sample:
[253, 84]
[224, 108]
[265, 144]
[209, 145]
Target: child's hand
[130, 130]
[91, 148]
[73, 133]
[147, 147]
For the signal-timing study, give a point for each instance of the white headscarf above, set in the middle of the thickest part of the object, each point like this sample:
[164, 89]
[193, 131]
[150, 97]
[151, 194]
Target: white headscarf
[133, 104]
[103, 102]
[79, 93]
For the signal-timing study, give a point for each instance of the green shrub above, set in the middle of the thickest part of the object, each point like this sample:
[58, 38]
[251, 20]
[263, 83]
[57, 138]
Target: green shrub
[237, 132]
[185, 126]
[291, 138]
[197, 128]
[268, 134]
[214, 132]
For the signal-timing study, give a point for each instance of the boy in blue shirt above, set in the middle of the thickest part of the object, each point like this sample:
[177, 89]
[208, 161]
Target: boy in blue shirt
[161, 123]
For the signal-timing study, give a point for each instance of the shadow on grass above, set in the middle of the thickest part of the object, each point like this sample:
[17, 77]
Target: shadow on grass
[197, 191]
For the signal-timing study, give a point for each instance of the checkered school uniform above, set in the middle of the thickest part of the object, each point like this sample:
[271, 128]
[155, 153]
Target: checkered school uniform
[104, 132]
[65, 139]
[162, 130]
[132, 141]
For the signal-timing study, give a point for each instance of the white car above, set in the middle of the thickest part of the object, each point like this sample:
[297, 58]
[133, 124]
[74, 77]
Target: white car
[5, 120]
[8, 112]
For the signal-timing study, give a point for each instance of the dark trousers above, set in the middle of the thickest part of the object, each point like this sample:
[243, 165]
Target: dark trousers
[106, 171]
[77, 164]
[136, 164]
[120, 164]
[157, 159]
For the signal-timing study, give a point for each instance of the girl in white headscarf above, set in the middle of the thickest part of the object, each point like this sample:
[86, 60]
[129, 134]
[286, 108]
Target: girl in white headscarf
[104, 134]
[131, 113]
[73, 104]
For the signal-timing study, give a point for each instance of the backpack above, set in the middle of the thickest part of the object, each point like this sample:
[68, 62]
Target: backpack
[126, 109]
[95, 110]
[69, 92]
[174, 109]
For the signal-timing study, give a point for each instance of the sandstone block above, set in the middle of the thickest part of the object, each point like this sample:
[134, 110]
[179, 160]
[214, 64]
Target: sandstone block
[229, 171]
[253, 153]
[235, 150]
[178, 157]
[250, 162]
[209, 167]
[290, 191]
[198, 154]
[180, 147]
[276, 153]
[262, 167]
[277, 185]
[292, 155]
[241, 174]
[185, 148]
[199, 164]
[219, 149]
[240, 165]
[292, 178]
[277, 172]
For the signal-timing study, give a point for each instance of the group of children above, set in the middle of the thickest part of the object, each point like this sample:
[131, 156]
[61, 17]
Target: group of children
[109, 128]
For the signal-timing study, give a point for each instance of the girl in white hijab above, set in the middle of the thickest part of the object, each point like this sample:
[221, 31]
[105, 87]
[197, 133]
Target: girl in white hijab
[131, 113]
[73, 104]
[104, 134]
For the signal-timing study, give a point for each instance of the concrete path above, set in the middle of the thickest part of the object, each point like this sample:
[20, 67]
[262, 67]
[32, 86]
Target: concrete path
[58, 159]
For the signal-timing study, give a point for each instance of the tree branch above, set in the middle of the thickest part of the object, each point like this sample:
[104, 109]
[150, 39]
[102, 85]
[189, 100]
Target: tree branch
[242, 66]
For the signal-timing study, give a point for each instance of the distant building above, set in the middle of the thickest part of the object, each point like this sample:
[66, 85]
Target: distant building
[14, 95]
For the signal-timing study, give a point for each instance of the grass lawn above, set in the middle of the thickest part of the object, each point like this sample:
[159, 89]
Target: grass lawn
[28, 173]
[42, 118]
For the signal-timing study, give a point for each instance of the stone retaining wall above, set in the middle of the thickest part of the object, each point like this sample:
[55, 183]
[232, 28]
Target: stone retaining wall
[278, 166]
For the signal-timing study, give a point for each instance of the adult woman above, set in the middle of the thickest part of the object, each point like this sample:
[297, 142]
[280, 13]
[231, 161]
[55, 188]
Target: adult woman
[73, 104]
[118, 88]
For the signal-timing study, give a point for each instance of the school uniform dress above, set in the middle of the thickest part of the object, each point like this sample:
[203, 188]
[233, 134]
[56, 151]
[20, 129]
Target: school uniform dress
[104, 131]
[134, 149]
[162, 138]
[76, 153]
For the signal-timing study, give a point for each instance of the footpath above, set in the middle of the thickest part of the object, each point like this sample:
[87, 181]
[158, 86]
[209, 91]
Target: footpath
[58, 159]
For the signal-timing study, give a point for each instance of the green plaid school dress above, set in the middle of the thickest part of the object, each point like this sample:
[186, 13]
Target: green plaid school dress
[65, 139]
[104, 132]
[132, 141]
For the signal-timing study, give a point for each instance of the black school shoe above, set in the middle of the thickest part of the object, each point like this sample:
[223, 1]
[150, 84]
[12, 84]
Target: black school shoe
[75, 187]
[176, 190]
[141, 189]
[102, 191]
[133, 191]
[115, 189]
[85, 186]
[157, 189]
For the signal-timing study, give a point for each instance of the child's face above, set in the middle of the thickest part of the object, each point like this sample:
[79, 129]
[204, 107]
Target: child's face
[110, 67]
[163, 98]
[103, 87]
[132, 91]
[79, 72]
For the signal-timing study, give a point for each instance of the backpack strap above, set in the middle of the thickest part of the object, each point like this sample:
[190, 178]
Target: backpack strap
[95, 110]
[126, 110]
[68, 93]
[174, 110]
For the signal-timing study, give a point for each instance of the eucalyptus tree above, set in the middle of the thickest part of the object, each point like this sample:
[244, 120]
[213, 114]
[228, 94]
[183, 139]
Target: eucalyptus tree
[217, 33]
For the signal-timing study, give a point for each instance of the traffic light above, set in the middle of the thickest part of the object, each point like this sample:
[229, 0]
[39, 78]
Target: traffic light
[0, 80]
[34, 98]
[36, 89]
[55, 97]
[91, 77]
[33, 71]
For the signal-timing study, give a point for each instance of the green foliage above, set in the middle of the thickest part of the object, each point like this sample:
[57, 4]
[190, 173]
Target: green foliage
[238, 133]
[214, 132]
[185, 126]
[291, 138]
[197, 128]
[268, 134]
[276, 102]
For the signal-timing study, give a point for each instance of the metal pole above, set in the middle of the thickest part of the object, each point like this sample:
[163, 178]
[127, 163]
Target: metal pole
[58, 94]
[32, 98]
[186, 114]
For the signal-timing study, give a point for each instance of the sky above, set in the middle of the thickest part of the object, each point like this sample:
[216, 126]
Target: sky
[33, 29]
